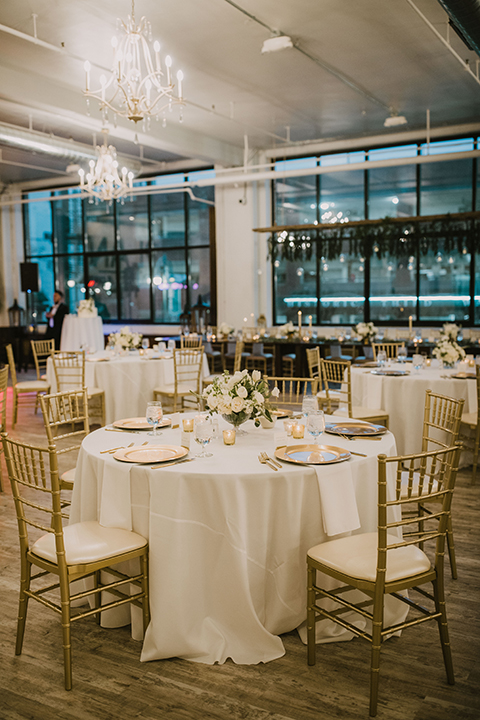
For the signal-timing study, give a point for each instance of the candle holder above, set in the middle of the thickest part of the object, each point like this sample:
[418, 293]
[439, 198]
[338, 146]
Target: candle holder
[298, 431]
[229, 437]
[288, 426]
[187, 424]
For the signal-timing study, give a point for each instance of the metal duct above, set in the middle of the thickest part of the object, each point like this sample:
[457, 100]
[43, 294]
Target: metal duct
[465, 16]
[67, 150]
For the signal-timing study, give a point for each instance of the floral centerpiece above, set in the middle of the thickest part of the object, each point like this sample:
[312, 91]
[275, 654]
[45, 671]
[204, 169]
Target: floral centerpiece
[239, 397]
[366, 331]
[125, 339]
[288, 329]
[225, 329]
[86, 308]
[447, 349]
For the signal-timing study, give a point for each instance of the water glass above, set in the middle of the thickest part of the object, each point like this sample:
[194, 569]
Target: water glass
[417, 361]
[382, 358]
[402, 354]
[145, 343]
[316, 424]
[309, 404]
[154, 414]
[202, 433]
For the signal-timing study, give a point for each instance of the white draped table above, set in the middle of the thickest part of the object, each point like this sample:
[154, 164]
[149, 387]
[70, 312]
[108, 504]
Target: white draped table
[403, 398]
[228, 537]
[82, 332]
[128, 380]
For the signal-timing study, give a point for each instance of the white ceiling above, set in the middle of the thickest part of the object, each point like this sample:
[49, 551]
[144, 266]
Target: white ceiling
[366, 56]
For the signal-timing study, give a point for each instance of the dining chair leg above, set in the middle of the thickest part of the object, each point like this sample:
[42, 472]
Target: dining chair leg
[451, 549]
[475, 453]
[22, 604]
[97, 596]
[439, 595]
[66, 635]
[15, 408]
[145, 586]
[311, 577]
[377, 625]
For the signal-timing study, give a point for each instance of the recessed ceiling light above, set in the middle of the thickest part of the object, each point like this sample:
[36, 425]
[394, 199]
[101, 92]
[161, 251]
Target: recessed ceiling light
[395, 120]
[274, 44]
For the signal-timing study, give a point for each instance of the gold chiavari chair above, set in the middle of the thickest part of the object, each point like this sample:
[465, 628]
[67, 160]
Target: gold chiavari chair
[337, 377]
[259, 359]
[3, 410]
[390, 348]
[41, 351]
[192, 341]
[441, 426]
[291, 390]
[77, 551]
[472, 420]
[315, 371]
[384, 563]
[65, 416]
[188, 365]
[69, 369]
[234, 354]
[25, 387]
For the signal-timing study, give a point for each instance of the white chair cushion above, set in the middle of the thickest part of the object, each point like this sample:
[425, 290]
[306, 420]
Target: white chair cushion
[68, 475]
[94, 391]
[356, 556]
[469, 418]
[363, 412]
[170, 389]
[32, 386]
[87, 542]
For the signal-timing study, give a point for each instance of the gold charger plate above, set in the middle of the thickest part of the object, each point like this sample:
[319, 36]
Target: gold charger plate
[100, 359]
[464, 376]
[354, 428]
[139, 423]
[312, 454]
[279, 414]
[390, 373]
[153, 454]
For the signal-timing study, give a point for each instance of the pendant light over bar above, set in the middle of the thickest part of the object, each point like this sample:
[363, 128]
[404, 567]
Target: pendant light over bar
[137, 87]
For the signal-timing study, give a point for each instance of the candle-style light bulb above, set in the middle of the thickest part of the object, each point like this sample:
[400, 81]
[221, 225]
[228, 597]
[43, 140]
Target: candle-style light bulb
[87, 67]
[168, 63]
[180, 78]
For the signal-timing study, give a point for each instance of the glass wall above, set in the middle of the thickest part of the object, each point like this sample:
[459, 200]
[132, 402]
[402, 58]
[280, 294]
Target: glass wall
[143, 259]
[383, 287]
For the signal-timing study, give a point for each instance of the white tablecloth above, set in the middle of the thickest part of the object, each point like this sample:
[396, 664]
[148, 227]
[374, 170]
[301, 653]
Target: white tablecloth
[128, 380]
[82, 332]
[228, 537]
[403, 398]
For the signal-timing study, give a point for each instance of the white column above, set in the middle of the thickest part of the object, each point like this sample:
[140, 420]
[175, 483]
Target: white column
[11, 255]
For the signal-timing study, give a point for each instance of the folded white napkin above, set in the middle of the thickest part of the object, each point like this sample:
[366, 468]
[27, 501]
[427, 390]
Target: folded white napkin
[337, 495]
[115, 505]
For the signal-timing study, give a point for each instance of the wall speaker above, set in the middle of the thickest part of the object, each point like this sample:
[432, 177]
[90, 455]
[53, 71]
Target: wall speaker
[29, 277]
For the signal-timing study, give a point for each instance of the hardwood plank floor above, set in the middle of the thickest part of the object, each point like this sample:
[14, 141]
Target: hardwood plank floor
[110, 683]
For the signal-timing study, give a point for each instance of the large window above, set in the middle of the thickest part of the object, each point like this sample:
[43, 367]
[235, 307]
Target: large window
[143, 259]
[432, 285]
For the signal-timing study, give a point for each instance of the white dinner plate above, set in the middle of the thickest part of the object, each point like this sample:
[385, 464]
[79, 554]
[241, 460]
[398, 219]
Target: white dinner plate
[151, 454]
[354, 428]
[139, 423]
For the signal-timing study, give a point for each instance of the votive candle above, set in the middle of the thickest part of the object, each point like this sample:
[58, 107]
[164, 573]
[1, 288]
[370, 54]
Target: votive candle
[298, 431]
[229, 437]
[187, 424]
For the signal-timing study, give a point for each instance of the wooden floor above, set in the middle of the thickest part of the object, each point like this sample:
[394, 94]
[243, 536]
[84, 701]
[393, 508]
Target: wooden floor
[110, 683]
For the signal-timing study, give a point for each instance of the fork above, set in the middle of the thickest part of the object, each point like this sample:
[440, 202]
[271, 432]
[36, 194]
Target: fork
[267, 457]
[112, 450]
[267, 462]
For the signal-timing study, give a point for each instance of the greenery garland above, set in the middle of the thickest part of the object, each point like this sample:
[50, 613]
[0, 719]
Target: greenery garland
[388, 237]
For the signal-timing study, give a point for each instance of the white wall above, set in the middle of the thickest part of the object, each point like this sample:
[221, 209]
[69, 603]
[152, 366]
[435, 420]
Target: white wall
[11, 255]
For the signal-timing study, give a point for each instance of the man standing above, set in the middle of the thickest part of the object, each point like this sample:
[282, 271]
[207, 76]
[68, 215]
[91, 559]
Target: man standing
[55, 318]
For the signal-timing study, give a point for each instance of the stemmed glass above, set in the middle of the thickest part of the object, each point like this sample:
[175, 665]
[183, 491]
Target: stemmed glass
[316, 424]
[202, 433]
[309, 404]
[154, 414]
[382, 358]
[145, 343]
[402, 354]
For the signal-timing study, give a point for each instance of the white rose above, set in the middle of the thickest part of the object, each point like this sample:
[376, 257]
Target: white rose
[275, 392]
[238, 404]
[237, 377]
[258, 397]
[212, 402]
[256, 375]
[242, 391]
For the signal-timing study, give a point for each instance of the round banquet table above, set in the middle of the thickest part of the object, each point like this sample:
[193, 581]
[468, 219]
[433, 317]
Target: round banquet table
[403, 398]
[228, 537]
[128, 380]
[82, 332]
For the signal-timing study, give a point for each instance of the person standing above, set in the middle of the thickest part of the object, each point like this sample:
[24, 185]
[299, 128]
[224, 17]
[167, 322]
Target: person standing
[55, 318]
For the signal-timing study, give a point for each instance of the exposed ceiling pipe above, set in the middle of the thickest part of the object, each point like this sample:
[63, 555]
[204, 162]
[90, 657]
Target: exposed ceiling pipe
[67, 150]
[462, 62]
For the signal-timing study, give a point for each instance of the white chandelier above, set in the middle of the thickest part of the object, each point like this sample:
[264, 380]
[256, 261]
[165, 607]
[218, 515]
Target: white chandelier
[136, 89]
[103, 181]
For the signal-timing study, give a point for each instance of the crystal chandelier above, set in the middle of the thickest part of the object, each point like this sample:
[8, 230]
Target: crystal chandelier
[137, 88]
[103, 181]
